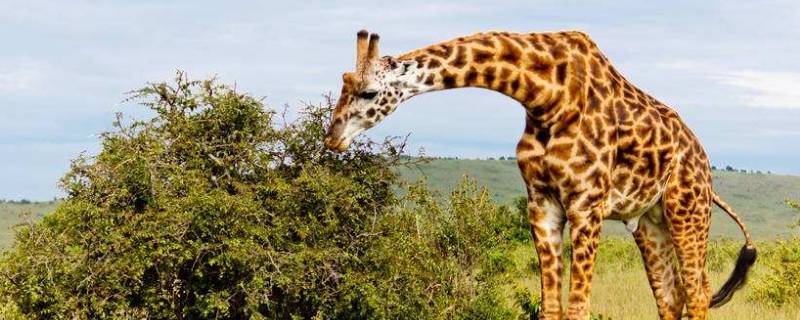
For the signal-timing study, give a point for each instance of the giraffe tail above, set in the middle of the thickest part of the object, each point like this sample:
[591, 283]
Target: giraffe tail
[747, 256]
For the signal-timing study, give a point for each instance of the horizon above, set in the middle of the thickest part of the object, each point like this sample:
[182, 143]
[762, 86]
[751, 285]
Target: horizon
[714, 168]
[728, 68]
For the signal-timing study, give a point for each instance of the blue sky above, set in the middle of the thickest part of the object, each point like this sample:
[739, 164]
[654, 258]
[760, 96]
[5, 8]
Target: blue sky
[731, 69]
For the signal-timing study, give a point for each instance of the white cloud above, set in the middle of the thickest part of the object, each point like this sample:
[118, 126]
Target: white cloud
[18, 78]
[754, 88]
[765, 89]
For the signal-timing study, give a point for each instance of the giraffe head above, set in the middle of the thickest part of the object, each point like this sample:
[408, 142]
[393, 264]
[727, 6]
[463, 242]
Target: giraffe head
[370, 93]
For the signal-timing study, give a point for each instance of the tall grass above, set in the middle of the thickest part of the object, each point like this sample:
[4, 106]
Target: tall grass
[620, 289]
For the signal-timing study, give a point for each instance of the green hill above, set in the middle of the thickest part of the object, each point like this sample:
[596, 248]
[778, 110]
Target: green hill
[15, 213]
[758, 198]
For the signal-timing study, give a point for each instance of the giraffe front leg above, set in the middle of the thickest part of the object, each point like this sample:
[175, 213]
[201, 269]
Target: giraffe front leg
[547, 225]
[585, 235]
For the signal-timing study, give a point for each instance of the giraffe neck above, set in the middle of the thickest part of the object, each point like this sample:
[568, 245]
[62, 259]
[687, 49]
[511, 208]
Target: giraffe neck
[531, 68]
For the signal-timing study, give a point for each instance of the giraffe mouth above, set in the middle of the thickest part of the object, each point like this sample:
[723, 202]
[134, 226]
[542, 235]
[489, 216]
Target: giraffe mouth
[336, 144]
[339, 142]
[335, 138]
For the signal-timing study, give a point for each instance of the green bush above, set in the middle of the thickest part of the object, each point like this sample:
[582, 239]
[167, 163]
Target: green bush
[779, 286]
[531, 305]
[216, 209]
[441, 260]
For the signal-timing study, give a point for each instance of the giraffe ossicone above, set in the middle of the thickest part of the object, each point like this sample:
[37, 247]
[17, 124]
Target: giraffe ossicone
[595, 147]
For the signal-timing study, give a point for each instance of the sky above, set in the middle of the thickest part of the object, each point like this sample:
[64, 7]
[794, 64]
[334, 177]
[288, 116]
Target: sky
[729, 68]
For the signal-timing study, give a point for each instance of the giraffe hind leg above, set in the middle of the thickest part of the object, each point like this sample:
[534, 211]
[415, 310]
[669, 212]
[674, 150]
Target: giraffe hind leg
[687, 210]
[655, 243]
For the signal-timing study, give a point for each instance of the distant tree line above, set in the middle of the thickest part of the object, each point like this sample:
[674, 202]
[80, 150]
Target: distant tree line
[21, 201]
[25, 201]
[729, 168]
[477, 158]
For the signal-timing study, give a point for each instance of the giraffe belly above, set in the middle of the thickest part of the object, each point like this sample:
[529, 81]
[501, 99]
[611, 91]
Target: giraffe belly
[628, 207]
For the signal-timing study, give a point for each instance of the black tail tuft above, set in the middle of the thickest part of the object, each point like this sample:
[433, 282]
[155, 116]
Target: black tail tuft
[747, 256]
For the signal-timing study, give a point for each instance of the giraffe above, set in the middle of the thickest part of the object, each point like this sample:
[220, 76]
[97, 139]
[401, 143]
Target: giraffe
[594, 147]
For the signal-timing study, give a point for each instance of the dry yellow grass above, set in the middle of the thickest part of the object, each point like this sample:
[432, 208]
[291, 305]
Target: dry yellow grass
[621, 291]
[627, 296]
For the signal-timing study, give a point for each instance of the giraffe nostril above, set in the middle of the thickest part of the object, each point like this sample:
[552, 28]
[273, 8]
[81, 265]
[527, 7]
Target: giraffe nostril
[336, 128]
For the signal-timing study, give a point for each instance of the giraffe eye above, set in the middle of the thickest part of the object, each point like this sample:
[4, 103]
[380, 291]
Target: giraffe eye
[367, 94]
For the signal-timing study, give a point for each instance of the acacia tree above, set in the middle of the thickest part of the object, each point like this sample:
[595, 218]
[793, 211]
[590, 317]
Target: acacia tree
[216, 207]
[208, 209]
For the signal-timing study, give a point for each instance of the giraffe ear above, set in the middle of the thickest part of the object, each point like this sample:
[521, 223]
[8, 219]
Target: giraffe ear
[410, 64]
[391, 61]
[349, 78]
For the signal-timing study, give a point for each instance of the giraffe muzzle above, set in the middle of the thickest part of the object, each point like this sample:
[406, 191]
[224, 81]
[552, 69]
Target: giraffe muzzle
[335, 144]
[334, 139]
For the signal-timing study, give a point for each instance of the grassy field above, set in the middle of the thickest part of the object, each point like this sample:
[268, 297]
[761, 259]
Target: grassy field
[758, 198]
[620, 289]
